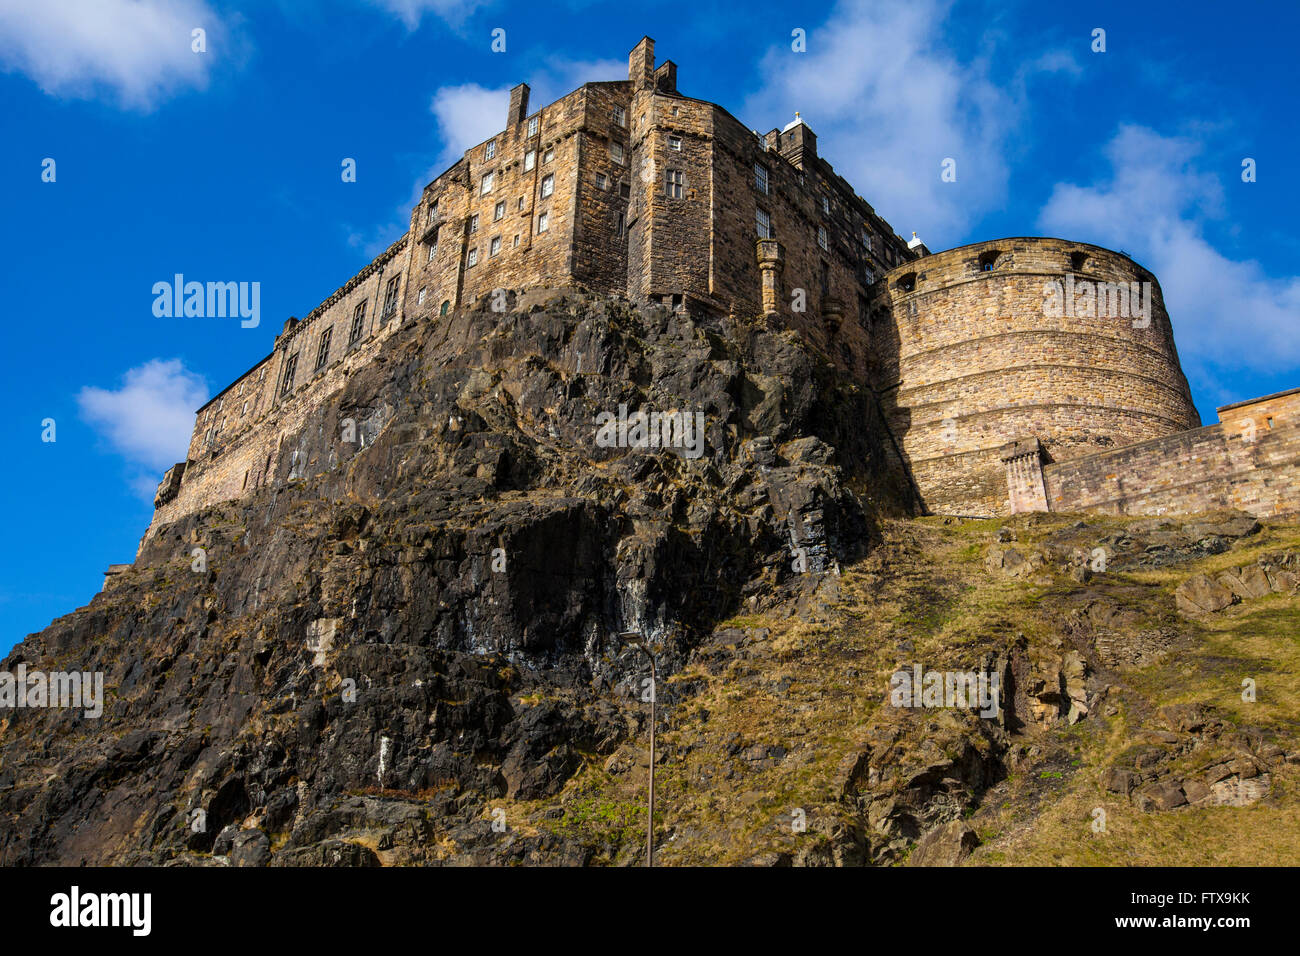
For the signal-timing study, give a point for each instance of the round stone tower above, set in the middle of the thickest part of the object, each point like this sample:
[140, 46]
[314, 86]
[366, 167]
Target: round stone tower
[1015, 339]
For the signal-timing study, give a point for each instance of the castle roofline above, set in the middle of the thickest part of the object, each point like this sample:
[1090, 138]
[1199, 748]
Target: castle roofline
[1252, 401]
[994, 243]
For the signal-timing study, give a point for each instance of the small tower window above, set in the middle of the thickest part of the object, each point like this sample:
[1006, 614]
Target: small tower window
[907, 283]
[1077, 260]
[988, 259]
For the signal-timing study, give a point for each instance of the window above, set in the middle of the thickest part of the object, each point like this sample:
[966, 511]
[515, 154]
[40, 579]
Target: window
[543, 222]
[516, 242]
[821, 238]
[419, 299]
[521, 202]
[987, 260]
[530, 159]
[261, 376]
[499, 212]
[674, 183]
[1077, 260]
[473, 223]
[290, 366]
[490, 150]
[616, 152]
[764, 224]
[620, 117]
[620, 224]
[760, 178]
[868, 276]
[323, 350]
[485, 186]
[358, 323]
[471, 258]
[866, 240]
[445, 307]
[826, 205]
[433, 248]
[624, 190]
[548, 155]
[433, 210]
[533, 125]
[495, 246]
[676, 111]
[548, 185]
[390, 296]
[675, 142]
[244, 411]
[602, 181]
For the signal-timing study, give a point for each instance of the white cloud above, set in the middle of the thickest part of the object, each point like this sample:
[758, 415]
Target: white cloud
[888, 104]
[137, 50]
[149, 419]
[411, 12]
[1227, 314]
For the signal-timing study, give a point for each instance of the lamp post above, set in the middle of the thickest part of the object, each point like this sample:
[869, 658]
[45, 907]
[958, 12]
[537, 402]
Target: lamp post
[635, 639]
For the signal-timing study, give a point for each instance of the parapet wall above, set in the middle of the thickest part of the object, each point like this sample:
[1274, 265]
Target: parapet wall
[1250, 461]
[972, 353]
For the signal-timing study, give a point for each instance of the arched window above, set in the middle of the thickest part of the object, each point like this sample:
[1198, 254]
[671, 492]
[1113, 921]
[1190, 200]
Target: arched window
[446, 304]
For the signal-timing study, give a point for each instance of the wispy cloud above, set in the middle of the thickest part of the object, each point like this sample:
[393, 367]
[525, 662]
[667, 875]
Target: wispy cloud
[138, 52]
[411, 12]
[889, 103]
[148, 420]
[1229, 315]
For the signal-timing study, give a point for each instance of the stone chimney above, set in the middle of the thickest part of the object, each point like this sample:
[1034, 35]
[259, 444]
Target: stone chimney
[641, 65]
[518, 105]
[666, 77]
[798, 143]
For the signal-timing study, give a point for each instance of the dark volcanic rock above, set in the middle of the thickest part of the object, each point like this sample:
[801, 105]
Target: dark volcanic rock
[408, 626]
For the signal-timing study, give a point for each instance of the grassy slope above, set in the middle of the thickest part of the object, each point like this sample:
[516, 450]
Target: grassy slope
[812, 680]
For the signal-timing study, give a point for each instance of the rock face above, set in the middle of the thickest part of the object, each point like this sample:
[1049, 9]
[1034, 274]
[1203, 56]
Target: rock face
[421, 621]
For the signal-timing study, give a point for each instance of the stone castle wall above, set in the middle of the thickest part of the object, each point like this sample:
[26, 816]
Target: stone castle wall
[970, 357]
[1249, 460]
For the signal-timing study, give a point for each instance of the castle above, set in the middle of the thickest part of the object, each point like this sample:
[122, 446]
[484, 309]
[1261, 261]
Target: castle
[997, 401]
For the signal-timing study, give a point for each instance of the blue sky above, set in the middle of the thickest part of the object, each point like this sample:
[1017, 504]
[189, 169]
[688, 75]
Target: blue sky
[225, 165]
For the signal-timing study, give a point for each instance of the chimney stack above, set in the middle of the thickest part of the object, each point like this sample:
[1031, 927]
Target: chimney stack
[641, 65]
[518, 105]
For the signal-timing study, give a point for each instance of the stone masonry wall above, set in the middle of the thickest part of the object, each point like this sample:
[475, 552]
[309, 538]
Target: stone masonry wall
[969, 359]
[1250, 460]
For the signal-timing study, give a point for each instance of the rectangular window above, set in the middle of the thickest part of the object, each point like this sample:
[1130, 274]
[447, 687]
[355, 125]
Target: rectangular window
[245, 409]
[602, 181]
[674, 184]
[290, 367]
[490, 150]
[516, 242]
[471, 258]
[760, 178]
[764, 224]
[543, 222]
[499, 212]
[866, 240]
[530, 159]
[473, 223]
[675, 142]
[624, 190]
[533, 125]
[620, 224]
[826, 205]
[433, 210]
[495, 246]
[548, 185]
[323, 350]
[548, 155]
[390, 296]
[485, 186]
[433, 248]
[521, 202]
[419, 299]
[821, 238]
[616, 152]
[620, 117]
[358, 323]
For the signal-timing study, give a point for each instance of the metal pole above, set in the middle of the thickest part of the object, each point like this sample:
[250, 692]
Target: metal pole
[650, 823]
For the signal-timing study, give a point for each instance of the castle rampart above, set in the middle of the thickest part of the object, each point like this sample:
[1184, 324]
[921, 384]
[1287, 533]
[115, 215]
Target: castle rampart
[972, 352]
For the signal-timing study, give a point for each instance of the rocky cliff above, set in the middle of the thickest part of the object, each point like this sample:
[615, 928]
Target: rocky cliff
[416, 619]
